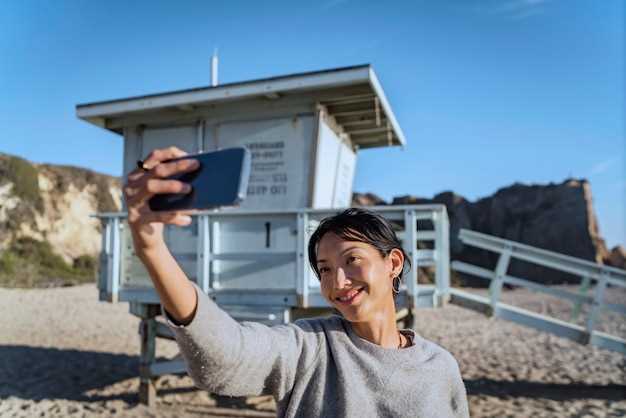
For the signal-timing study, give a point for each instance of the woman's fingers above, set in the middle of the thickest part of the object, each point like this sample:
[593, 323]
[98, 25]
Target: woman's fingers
[139, 178]
[162, 154]
[156, 186]
[187, 212]
[140, 191]
[169, 169]
[151, 179]
[137, 174]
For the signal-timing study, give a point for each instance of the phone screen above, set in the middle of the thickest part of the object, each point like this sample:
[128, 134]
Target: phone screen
[221, 180]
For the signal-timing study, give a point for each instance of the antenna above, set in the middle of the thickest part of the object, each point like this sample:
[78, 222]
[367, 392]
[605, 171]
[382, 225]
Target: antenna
[214, 68]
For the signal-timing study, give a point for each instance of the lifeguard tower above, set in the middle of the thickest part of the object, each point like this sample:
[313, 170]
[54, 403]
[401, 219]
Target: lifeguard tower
[304, 132]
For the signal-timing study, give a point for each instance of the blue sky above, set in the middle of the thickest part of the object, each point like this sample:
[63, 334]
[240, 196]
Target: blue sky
[488, 92]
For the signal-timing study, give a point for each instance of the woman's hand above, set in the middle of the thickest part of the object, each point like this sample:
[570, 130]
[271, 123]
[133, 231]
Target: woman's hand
[147, 226]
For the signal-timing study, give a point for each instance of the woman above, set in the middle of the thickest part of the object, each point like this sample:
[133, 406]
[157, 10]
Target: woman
[356, 364]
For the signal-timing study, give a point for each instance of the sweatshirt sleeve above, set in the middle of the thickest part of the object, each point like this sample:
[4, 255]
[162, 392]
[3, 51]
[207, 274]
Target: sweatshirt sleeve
[247, 359]
[458, 401]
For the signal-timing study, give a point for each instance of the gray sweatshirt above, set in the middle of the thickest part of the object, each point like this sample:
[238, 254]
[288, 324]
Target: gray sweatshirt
[319, 367]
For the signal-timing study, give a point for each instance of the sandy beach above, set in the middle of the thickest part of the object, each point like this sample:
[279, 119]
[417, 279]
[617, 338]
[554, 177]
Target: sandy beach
[64, 354]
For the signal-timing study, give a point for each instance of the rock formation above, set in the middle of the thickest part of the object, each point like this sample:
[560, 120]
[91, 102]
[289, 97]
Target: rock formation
[367, 199]
[556, 217]
[54, 204]
[617, 257]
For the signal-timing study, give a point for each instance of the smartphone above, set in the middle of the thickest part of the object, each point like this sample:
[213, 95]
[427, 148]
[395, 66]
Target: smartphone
[221, 180]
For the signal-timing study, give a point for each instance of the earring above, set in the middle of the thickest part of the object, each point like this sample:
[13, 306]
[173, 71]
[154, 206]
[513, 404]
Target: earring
[395, 286]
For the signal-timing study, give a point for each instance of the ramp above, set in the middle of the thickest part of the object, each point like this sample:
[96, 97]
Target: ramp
[592, 275]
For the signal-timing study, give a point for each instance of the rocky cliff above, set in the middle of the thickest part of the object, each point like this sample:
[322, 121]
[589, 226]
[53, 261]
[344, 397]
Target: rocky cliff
[46, 227]
[556, 217]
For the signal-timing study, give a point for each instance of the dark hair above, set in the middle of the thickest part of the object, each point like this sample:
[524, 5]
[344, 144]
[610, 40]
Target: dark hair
[361, 225]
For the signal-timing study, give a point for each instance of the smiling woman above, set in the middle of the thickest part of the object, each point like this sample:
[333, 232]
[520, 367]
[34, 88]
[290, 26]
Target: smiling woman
[360, 262]
[350, 365]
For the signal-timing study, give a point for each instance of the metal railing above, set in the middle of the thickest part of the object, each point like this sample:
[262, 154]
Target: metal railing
[213, 243]
[591, 274]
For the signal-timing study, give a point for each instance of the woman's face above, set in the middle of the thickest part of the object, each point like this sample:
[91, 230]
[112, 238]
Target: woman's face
[355, 278]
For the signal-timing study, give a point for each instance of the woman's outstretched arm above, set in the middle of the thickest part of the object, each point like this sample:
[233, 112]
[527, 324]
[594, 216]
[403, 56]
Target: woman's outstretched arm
[221, 355]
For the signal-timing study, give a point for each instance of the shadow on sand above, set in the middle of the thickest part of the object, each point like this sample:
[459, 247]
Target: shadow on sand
[554, 391]
[49, 373]
[37, 373]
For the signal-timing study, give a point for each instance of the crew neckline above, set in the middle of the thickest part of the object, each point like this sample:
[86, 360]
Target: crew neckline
[373, 348]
